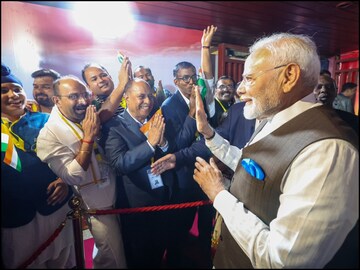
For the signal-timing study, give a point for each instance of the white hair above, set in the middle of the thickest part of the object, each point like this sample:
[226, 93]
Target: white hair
[288, 48]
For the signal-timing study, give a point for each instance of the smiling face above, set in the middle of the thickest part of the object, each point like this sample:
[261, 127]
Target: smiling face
[139, 100]
[225, 90]
[260, 89]
[13, 100]
[99, 81]
[72, 99]
[43, 91]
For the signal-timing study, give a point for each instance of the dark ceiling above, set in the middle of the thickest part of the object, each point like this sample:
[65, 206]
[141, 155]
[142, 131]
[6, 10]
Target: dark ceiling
[335, 29]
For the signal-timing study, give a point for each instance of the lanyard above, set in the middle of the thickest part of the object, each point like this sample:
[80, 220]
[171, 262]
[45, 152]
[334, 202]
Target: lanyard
[221, 105]
[79, 137]
[6, 128]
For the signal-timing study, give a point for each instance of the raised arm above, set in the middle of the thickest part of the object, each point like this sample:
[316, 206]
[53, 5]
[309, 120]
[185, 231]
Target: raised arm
[206, 39]
[112, 102]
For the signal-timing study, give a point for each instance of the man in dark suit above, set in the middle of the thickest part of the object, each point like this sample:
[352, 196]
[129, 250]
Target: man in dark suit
[130, 152]
[234, 128]
[179, 111]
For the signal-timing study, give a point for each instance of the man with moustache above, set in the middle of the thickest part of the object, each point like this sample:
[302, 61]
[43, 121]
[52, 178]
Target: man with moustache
[68, 144]
[293, 201]
[43, 90]
[224, 98]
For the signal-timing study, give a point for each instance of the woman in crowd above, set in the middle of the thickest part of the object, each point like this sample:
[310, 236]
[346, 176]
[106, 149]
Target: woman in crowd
[33, 199]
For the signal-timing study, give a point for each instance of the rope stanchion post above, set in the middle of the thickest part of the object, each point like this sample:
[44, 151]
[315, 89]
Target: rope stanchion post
[75, 204]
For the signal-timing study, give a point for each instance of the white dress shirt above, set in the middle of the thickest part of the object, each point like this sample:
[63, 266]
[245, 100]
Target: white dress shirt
[58, 144]
[319, 203]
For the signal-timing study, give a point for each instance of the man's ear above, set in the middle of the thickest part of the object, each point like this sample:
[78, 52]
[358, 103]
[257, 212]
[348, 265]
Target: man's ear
[291, 75]
[55, 99]
[126, 97]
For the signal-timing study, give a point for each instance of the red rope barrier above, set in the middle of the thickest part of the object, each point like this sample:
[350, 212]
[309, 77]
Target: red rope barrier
[43, 246]
[148, 208]
[106, 212]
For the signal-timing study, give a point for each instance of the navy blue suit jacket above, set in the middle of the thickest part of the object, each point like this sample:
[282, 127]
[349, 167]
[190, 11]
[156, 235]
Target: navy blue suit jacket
[235, 128]
[127, 150]
[181, 132]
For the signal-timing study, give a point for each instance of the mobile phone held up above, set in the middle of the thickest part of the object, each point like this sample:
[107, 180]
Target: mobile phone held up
[120, 57]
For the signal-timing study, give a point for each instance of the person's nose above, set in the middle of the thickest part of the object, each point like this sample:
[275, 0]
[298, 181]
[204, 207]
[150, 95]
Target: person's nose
[240, 89]
[83, 100]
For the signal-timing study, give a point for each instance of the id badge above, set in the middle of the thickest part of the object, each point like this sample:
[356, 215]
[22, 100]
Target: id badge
[155, 180]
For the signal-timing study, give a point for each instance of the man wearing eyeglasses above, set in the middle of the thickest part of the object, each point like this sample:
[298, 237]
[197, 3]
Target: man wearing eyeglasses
[293, 201]
[224, 98]
[68, 144]
[179, 111]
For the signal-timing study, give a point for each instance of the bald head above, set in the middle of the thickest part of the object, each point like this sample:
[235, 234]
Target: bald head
[71, 97]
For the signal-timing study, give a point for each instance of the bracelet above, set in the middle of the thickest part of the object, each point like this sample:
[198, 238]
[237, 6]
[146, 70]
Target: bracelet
[85, 151]
[212, 136]
[206, 47]
[89, 142]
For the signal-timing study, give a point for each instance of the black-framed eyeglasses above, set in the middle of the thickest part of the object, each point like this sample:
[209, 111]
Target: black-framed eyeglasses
[76, 96]
[187, 78]
[248, 79]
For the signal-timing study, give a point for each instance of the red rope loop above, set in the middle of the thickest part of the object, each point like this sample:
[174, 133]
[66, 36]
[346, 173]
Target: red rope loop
[43, 246]
[107, 212]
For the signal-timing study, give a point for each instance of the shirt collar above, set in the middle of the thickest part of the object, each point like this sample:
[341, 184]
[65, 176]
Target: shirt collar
[141, 124]
[185, 98]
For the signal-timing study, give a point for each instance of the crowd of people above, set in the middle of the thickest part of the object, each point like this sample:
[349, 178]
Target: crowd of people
[280, 167]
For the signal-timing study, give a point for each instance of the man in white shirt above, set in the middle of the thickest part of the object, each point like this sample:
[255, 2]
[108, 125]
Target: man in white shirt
[294, 199]
[67, 143]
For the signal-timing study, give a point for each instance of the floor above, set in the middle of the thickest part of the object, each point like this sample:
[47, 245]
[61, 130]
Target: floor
[88, 248]
[193, 251]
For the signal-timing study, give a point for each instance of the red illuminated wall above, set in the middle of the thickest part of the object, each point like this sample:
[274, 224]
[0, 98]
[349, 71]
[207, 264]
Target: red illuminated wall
[347, 70]
[34, 36]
